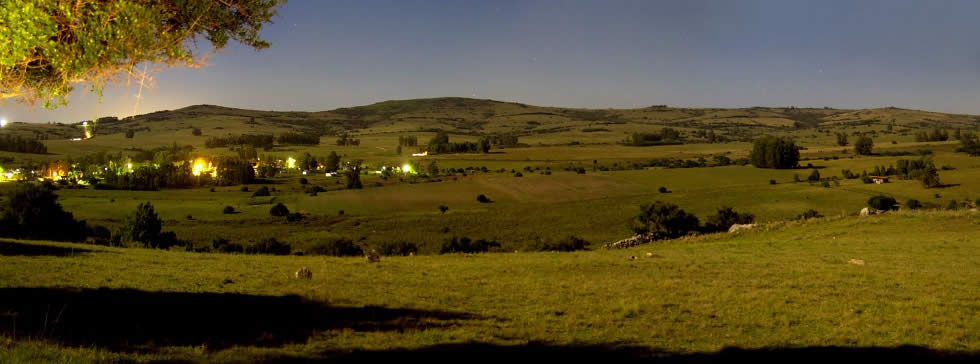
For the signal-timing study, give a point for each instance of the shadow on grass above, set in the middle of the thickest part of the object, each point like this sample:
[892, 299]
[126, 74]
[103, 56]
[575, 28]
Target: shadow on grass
[610, 353]
[10, 248]
[134, 320]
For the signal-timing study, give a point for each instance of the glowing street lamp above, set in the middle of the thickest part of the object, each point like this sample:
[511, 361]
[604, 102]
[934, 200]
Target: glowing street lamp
[3, 123]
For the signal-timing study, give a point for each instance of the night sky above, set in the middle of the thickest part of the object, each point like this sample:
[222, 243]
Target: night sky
[327, 54]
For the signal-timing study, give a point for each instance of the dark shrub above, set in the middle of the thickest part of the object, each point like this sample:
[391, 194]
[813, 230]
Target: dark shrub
[221, 245]
[32, 211]
[772, 181]
[244, 189]
[130, 133]
[518, 174]
[315, 189]
[863, 145]
[269, 246]
[913, 204]
[294, 217]
[443, 208]
[568, 244]
[663, 189]
[465, 245]
[725, 218]
[142, 226]
[196, 131]
[337, 248]
[303, 181]
[262, 191]
[279, 210]
[228, 210]
[341, 212]
[808, 214]
[883, 203]
[483, 199]
[952, 205]
[397, 248]
[814, 176]
[663, 220]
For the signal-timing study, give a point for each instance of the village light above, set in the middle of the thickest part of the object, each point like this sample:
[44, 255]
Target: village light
[290, 163]
[406, 168]
[3, 123]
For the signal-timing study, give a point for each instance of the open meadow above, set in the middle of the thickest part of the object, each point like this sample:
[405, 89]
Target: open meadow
[897, 285]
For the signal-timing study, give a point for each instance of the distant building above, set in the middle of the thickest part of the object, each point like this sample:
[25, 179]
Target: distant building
[879, 179]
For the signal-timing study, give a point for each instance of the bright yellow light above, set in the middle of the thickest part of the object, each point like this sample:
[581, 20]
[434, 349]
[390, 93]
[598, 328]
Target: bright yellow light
[202, 166]
[3, 123]
[290, 163]
[129, 166]
[406, 168]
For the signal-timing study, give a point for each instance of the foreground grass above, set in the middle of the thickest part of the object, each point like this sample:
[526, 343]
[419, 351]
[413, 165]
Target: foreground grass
[786, 285]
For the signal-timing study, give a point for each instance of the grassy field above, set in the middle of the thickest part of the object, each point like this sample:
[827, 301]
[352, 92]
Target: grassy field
[781, 292]
[756, 295]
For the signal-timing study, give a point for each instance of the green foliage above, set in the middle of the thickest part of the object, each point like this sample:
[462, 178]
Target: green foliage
[952, 205]
[196, 131]
[466, 245]
[221, 245]
[143, 227]
[814, 176]
[51, 44]
[353, 174]
[397, 248]
[883, 203]
[725, 217]
[922, 169]
[333, 162]
[130, 133]
[32, 211]
[841, 139]
[279, 210]
[269, 246]
[663, 220]
[235, 172]
[913, 204]
[773, 152]
[809, 214]
[568, 244]
[864, 145]
[336, 248]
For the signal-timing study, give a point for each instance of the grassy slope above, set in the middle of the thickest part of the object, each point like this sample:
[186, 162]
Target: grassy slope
[783, 285]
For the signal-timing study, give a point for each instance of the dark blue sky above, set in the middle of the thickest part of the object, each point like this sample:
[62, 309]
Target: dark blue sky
[327, 54]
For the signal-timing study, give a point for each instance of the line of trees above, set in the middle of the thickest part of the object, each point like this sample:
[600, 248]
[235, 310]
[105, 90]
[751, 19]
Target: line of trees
[667, 136]
[255, 140]
[937, 135]
[299, 138]
[408, 141]
[663, 220]
[773, 152]
[440, 144]
[17, 144]
[346, 140]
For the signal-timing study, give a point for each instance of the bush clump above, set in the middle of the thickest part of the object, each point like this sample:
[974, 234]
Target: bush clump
[725, 218]
[279, 210]
[567, 244]
[337, 248]
[483, 199]
[228, 210]
[261, 192]
[222, 245]
[913, 204]
[397, 248]
[303, 181]
[883, 203]
[808, 214]
[466, 245]
[269, 246]
[663, 220]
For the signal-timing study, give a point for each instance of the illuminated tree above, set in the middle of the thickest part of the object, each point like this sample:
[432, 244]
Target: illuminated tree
[49, 45]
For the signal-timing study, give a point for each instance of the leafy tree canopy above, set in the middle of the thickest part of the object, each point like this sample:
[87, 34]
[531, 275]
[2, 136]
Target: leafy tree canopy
[47, 46]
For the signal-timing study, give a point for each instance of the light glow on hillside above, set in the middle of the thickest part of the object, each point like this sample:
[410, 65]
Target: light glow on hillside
[202, 166]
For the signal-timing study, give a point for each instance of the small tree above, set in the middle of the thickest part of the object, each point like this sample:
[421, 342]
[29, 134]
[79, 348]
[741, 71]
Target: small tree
[353, 174]
[32, 211]
[262, 191]
[663, 220]
[142, 226]
[333, 162]
[432, 169]
[842, 139]
[913, 204]
[863, 145]
[814, 176]
[130, 133]
[483, 199]
[443, 208]
[279, 210]
[883, 203]
[725, 218]
[228, 210]
[196, 131]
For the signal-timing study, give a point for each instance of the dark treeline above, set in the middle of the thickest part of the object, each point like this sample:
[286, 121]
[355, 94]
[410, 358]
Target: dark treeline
[299, 138]
[969, 144]
[408, 141]
[16, 144]
[709, 136]
[936, 135]
[503, 139]
[773, 152]
[667, 136]
[259, 140]
[440, 144]
[346, 140]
